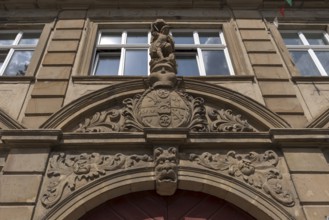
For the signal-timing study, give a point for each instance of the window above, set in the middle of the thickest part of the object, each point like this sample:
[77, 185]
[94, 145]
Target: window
[126, 52]
[309, 51]
[16, 49]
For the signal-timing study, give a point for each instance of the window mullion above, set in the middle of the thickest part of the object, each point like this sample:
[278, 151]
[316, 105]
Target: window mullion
[7, 60]
[122, 61]
[303, 38]
[202, 69]
[317, 62]
[18, 38]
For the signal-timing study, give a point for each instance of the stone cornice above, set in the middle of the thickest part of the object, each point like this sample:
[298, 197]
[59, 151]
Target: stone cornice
[307, 137]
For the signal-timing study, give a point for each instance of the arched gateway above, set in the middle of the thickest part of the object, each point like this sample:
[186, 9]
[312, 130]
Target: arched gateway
[165, 135]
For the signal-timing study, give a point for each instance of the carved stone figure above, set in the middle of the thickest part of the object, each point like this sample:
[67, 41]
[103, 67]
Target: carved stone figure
[258, 170]
[166, 170]
[163, 63]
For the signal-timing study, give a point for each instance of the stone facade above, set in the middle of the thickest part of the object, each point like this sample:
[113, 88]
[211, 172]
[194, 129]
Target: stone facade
[70, 141]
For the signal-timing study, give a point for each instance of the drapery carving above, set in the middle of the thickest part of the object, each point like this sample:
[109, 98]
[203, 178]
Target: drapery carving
[66, 171]
[258, 170]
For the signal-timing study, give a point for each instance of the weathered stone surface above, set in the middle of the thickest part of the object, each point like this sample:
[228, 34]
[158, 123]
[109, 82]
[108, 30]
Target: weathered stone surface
[284, 104]
[10, 92]
[19, 188]
[27, 160]
[16, 212]
[54, 72]
[49, 88]
[72, 14]
[305, 159]
[265, 59]
[70, 24]
[259, 46]
[316, 212]
[267, 72]
[43, 105]
[316, 96]
[59, 59]
[250, 24]
[254, 35]
[276, 88]
[312, 187]
[245, 14]
[296, 121]
[34, 121]
[63, 46]
[67, 34]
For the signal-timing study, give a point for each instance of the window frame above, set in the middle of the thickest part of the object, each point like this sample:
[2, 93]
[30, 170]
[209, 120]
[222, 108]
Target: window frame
[38, 50]
[310, 49]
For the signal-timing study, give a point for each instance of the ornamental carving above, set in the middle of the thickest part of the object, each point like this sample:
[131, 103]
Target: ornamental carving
[72, 172]
[258, 170]
[166, 161]
[165, 108]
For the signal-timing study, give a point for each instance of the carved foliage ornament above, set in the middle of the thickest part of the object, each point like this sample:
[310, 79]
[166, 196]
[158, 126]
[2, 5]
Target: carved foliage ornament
[165, 108]
[258, 170]
[67, 171]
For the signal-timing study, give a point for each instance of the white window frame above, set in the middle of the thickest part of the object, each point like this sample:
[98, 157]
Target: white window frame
[310, 48]
[123, 47]
[15, 46]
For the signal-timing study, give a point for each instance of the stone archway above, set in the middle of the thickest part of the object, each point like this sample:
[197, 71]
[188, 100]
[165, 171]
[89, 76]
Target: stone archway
[185, 205]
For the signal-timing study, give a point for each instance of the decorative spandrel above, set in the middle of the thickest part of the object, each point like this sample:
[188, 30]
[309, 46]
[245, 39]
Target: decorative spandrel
[164, 104]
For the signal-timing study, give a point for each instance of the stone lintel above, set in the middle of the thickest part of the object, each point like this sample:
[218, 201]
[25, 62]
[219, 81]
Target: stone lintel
[159, 135]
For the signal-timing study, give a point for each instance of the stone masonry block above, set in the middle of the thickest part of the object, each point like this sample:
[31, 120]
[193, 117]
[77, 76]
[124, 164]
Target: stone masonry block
[284, 104]
[72, 14]
[49, 88]
[250, 24]
[306, 159]
[43, 105]
[67, 34]
[27, 160]
[265, 59]
[70, 24]
[270, 72]
[312, 187]
[245, 14]
[276, 88]
[19, 188]
[296, 121]
[254, 35]
[316, 212]
[259, 46]
[63, 46]
[54, 72]
[16, 212]
[59, 59]
[34, 121]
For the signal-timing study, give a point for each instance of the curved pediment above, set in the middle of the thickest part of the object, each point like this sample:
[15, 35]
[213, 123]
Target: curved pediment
[191, 104]
[6, 122]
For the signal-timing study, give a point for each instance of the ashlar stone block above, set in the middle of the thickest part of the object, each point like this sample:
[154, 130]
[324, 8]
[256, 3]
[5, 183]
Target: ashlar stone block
[19, 188]
[16, 212]
[305, 159]
[27, 160]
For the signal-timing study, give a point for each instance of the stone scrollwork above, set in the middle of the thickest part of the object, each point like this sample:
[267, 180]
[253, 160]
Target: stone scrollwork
[67, 171]
[258, 170]
[166, 162]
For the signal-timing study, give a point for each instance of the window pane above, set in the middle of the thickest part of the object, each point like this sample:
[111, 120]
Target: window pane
[187, 65]
[30, 39]
[183, 38]
[3, 55]
[136, 63]
[215, 62]
[107, 64]
[305, 63]
[316, 38]
[209, 38]
[137, 38]
[291, 39]
[323, 56]
[110, 38]
[7, 38]
[18, 63]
